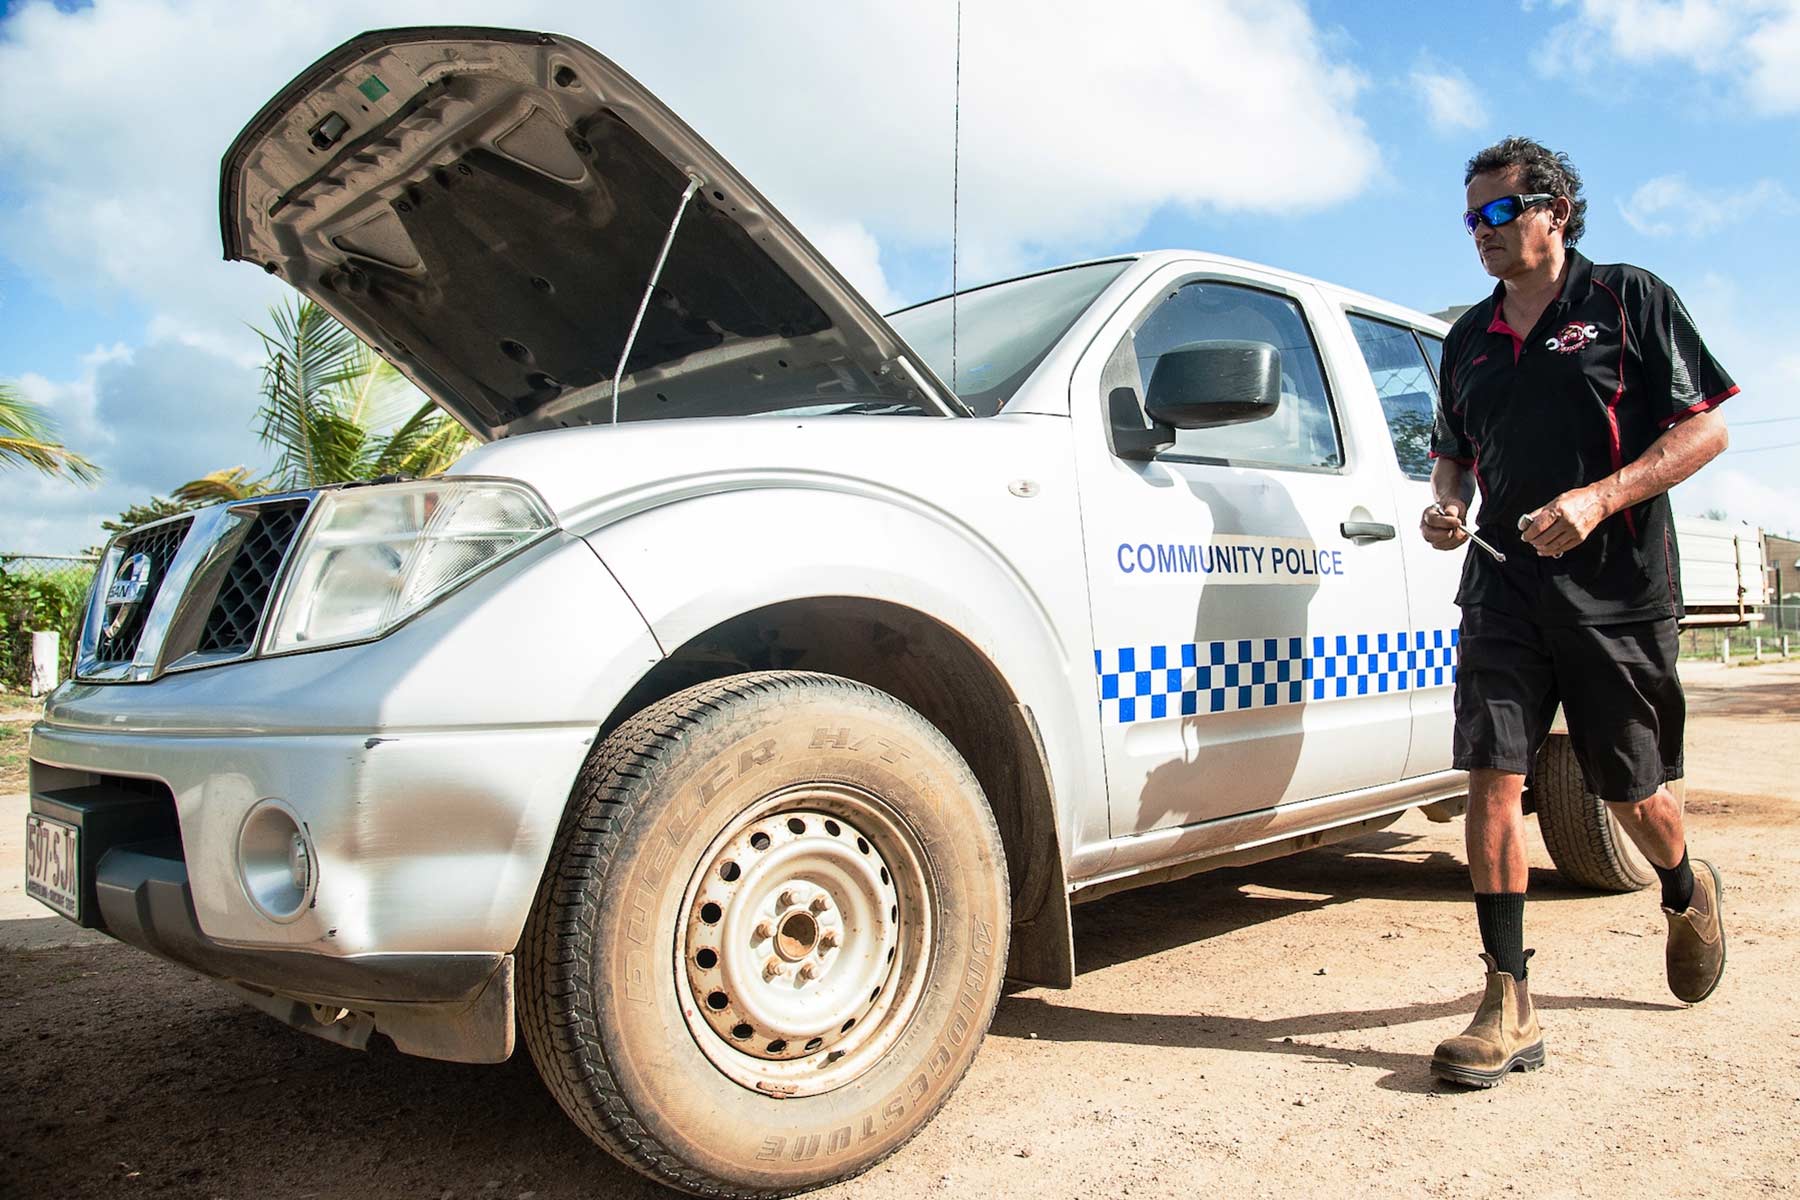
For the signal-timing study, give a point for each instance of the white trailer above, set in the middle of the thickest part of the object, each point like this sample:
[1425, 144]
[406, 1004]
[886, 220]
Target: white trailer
[1722, 585]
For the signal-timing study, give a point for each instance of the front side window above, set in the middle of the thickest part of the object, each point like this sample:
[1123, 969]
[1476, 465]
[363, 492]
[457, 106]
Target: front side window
[1404, 382]
[1302, 432]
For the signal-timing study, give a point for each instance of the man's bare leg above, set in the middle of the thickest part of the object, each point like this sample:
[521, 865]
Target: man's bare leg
[1655, 826]
[1494, 831]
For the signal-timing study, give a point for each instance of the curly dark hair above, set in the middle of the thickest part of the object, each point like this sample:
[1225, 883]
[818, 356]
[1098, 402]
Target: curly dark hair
[1546, 170]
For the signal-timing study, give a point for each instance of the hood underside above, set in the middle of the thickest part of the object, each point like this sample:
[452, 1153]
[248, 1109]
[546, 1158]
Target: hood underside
[486, 208]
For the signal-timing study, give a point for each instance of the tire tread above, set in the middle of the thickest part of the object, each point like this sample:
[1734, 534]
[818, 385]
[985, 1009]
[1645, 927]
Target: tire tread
[564, 1043]
[1575, 826]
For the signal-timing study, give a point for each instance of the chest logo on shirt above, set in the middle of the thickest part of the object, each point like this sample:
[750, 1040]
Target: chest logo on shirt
[1574, 336]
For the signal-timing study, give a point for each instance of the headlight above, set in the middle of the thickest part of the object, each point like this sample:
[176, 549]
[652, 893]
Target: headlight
[374, 556]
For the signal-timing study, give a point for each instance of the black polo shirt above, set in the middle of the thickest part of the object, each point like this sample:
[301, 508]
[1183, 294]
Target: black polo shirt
[1613, 362]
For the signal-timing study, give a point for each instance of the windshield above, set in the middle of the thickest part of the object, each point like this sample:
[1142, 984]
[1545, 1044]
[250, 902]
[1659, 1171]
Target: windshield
[1003, 331]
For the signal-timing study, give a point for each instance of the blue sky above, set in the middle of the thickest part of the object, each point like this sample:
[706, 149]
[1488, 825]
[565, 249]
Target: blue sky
[1326, 138]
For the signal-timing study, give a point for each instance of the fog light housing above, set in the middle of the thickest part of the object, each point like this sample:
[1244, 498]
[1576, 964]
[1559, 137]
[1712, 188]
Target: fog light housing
[276, 862]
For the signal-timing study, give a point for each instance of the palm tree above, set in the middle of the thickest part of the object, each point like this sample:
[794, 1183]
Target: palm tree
[326, 397]
[232, 483]
[26, 440]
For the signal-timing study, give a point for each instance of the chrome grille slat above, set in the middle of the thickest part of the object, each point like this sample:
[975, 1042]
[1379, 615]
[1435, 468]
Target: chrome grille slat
[243, 598]
[211, 585]
[160, 542]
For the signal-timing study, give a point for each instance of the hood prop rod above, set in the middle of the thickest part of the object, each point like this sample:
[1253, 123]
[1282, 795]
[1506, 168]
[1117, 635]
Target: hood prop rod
[650, 287]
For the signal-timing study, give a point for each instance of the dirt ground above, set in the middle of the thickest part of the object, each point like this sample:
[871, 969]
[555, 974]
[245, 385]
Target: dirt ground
[1255, 1032]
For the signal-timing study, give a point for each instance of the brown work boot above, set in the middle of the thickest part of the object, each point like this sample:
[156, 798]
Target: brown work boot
[1503, 1035]
[1696, 950]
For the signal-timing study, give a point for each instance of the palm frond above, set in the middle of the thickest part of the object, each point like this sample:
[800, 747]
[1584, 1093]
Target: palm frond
[27, 436]
[311, 359]
[233, 483]
[425, 445]
[377, 396]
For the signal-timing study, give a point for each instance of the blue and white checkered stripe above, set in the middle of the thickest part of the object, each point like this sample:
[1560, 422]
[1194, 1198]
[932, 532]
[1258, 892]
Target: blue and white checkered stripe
[1147, 682]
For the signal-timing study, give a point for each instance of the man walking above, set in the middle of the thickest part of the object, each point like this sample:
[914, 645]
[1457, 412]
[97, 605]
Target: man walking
[1574, 398]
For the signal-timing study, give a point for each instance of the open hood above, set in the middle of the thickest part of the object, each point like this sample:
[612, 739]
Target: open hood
[487, 208]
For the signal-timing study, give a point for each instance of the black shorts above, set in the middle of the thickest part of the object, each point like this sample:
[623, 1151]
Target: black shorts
[1616, 683]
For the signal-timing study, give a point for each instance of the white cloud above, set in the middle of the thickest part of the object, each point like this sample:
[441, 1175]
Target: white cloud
[1774, 54]
[151, 418]
[1645, 30]
[1713, 37]
[1075, 124]
[856, 254]
[1669, 204]
[1451, 103]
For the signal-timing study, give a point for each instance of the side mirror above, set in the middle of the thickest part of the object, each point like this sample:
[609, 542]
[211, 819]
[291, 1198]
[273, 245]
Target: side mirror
[1206, 384]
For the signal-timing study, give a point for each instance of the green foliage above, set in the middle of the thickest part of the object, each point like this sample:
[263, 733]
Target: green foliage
[233, 483]
[27, 439]
[327, 396]
[33, 599]
[143, 514]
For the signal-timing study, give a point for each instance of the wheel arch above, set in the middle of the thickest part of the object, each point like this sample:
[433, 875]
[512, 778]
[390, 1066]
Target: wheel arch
[932, 668]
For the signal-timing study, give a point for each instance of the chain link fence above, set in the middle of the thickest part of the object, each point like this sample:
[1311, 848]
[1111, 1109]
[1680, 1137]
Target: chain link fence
[1777, 635]
[39, 592]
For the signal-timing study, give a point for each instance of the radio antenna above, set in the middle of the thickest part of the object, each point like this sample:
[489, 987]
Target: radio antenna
[955, 189]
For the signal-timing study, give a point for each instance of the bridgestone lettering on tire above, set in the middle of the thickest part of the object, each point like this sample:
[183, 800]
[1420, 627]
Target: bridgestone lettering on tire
[770, 938]
[1585, 842]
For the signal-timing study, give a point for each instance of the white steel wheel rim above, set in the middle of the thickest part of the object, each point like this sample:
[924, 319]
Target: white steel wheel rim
[805, 939]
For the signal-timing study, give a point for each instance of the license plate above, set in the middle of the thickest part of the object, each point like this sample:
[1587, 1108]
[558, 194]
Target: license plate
[53, 864]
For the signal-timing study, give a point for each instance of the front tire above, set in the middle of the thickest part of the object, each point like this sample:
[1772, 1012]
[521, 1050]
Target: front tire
[771, 935]
[1584, 839]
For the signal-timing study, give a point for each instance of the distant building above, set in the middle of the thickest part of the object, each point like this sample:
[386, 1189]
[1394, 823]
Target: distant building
[1782, 554]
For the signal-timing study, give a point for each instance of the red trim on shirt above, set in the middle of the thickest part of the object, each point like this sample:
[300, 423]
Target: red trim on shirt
[1612, 406]
[1499, 325]
[1706, 405]
[1461, 462]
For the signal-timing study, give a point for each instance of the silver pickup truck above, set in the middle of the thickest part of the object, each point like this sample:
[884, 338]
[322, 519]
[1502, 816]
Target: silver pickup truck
[761, 693]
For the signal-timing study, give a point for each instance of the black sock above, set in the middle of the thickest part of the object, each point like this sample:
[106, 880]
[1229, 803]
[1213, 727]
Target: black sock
[1501, 916]
[1677, 883]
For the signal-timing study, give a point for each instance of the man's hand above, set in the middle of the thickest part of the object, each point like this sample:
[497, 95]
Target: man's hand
[1565, 522]
[1441, 525]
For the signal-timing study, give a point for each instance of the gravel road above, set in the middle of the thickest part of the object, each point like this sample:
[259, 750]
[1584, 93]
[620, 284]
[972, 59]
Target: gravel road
[1262, 1031]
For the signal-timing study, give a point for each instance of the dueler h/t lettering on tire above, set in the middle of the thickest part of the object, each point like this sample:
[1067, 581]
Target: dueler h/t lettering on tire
[771, 935]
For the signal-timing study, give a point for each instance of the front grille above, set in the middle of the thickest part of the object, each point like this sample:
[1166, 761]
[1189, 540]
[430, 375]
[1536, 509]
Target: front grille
[237, 613]
[160, 542]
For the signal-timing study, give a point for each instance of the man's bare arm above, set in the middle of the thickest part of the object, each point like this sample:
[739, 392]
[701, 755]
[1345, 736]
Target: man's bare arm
[1566, 521]
[1452, 486]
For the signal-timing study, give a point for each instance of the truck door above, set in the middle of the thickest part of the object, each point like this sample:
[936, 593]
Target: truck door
[1246, 583]
[1402, 364]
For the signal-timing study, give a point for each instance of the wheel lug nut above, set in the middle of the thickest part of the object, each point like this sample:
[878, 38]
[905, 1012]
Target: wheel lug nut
[828, 939]
[787, 898]
[808, 971]
[772, 968]
[819, 903]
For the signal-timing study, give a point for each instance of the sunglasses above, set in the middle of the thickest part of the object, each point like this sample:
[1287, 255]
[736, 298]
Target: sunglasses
[1503, 211]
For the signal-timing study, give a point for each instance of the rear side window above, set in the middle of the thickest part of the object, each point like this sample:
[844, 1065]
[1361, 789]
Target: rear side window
[1302, 432]
[1407, 386]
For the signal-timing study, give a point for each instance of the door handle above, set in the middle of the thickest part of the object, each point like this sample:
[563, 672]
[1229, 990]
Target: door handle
[1366, 531]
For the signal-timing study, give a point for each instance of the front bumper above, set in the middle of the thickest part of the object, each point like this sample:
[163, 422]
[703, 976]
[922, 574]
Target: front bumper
[135, 888]
[430, 770]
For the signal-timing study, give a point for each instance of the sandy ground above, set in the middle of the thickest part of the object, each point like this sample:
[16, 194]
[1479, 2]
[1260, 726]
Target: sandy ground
[1254, 1032]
